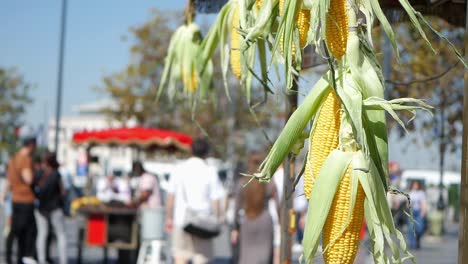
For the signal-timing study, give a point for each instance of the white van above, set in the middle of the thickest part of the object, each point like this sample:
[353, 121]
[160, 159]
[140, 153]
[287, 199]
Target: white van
[429, 177]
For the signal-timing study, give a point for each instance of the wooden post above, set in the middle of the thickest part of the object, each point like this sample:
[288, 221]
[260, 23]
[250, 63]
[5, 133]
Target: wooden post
[463, 234]
[288, 181]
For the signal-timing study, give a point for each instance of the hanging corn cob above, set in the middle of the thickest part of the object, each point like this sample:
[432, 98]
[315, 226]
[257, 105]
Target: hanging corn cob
[342, 246]
[190, 80]
[228, 32]
[181, 63]
[302, 25]
[337, 28]
[346, 175]
[348, 168]
[258, 4]
[323, 139]
[235, 44]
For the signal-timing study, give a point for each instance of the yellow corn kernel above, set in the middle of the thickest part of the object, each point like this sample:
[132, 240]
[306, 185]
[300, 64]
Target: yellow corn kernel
[258, 3]
[281, 7]
[343, 246]
[190, 80]
[293, 47]
[324, 139]
[193, 82]
[337, 28]
[302, 24]
[235, 44]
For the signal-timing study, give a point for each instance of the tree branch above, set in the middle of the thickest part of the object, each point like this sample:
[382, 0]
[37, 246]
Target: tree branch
[429, 79]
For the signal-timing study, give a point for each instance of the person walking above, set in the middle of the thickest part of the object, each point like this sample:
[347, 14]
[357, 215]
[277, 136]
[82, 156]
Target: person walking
[50, 195]
[20, 176]
[7, 211]
[148, 194]
[418, 207]
[195, 181]
[254, 225]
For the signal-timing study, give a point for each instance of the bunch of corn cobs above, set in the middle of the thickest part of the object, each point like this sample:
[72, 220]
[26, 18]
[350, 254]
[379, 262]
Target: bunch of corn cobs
[346, 169]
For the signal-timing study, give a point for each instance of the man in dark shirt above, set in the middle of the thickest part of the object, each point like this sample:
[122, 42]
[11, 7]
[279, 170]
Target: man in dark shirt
[21, 176]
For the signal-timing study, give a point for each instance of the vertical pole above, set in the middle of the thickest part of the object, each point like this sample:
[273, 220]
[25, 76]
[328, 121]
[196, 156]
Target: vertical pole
[463, 234]
[287, 203]
[60, 75]
[230, 150]
[387, 64]
[81, 232]
[442, 105]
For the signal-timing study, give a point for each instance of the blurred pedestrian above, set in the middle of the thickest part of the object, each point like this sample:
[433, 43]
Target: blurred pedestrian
[111, 189]
[20, 176]
[397, 202]
[433, 194]
[418, 207]
[50, 195]
[38, 170]
[193, 186]
[254, 227]
[394, 171]
[300, 206]
[148, 194]
[7, 211]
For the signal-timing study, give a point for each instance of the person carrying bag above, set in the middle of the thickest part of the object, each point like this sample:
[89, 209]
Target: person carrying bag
[200, 224]
[192, 207]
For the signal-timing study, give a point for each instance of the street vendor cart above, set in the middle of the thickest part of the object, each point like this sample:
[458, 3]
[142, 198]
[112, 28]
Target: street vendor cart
[115, 225]
[108, 226]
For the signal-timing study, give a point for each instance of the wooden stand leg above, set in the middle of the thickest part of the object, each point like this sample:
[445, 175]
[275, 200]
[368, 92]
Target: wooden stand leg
[80, 245]
[106, 255]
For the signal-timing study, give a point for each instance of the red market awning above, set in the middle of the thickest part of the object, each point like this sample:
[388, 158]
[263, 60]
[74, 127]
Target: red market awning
[135, 136]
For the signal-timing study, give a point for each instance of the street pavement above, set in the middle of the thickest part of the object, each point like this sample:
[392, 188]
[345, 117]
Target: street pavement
[434, 250]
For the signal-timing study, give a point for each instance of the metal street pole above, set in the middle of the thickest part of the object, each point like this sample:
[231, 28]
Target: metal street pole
[60, 74]
[442, 146]
[463, 234]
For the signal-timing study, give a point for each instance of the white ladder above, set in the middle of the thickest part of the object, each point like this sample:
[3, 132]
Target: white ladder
[152, 252]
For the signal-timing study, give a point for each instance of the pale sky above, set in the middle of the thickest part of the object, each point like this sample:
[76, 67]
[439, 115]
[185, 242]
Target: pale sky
[30, 39]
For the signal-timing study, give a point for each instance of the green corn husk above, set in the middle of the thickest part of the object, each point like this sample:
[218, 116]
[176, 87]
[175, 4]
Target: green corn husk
[182, 57]
[219, 35]
[293, 130]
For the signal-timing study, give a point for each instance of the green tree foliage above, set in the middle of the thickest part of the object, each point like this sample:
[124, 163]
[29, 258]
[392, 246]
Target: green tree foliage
[15, 96]
[226, 122]
[133, 89]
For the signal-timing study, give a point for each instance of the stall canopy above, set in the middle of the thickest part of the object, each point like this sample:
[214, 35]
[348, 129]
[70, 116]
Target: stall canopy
[140, 137]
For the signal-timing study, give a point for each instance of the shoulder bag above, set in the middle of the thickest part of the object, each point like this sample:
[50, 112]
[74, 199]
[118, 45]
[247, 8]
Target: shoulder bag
[200, 224]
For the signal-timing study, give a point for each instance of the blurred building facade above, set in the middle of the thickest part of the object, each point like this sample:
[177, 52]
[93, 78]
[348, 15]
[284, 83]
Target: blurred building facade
[418, 150]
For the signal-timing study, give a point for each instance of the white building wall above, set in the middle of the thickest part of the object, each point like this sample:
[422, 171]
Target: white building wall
[68, 153]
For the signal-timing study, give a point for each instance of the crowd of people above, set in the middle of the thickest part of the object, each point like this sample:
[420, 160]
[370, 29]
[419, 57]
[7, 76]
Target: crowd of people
[412, 210]
[254, 235]
[34, 197]
[36, 193]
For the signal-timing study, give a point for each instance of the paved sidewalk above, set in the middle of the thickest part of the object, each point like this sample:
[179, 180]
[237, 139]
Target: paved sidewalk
[434, 250]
